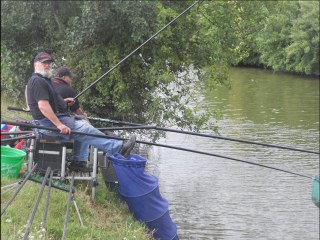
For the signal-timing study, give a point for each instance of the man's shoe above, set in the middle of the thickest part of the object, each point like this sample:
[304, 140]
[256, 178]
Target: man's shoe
[128, 146]
[80, 166]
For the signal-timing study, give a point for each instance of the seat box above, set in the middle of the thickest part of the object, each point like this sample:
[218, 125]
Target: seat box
[48, 154]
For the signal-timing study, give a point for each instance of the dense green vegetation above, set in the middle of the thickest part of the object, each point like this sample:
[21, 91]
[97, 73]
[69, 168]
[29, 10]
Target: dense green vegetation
[154, 85]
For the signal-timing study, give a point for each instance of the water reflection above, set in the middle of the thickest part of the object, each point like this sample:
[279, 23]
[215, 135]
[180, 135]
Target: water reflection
[265, 97]
[214, 198]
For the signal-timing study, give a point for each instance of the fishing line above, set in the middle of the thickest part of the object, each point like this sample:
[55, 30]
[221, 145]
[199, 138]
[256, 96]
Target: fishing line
[141, 126]
[136, 126]
[167, 146]
[153, 36]
[204, 15]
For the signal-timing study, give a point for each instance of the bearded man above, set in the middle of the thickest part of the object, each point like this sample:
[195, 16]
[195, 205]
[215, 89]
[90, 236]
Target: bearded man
[49, 109]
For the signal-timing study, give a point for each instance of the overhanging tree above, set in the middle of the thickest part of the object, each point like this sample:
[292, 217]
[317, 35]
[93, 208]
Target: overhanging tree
[156, 83]
[153, 85]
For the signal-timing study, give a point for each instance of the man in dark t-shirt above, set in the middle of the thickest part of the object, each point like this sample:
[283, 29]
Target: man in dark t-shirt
[44, 83]
[47, 110]
[42, 88]
[62, 83]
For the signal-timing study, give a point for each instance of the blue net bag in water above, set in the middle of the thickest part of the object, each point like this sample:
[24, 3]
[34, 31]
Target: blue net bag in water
[140, 191]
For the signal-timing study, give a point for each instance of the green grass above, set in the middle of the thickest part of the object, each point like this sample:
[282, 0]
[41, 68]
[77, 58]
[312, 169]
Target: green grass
[10, 115]
[106, 218]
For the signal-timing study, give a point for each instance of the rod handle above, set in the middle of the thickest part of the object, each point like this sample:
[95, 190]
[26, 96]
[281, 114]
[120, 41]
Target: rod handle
[18, 109]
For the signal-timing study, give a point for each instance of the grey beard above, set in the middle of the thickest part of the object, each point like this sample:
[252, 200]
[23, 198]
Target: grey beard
[46, 73]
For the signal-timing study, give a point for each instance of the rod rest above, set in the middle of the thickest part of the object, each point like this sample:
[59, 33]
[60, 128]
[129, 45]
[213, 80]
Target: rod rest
[55, 184]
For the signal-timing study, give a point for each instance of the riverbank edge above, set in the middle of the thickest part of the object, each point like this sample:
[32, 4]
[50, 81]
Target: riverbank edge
[263, 67]
[106, 218]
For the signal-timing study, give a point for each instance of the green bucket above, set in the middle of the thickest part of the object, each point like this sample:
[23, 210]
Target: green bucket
[315, 190]
[11, 161]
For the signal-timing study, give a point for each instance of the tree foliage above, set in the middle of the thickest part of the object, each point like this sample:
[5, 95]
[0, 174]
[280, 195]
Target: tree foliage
[153, 85]
[284, 35]
[302, 54]
[156, 83]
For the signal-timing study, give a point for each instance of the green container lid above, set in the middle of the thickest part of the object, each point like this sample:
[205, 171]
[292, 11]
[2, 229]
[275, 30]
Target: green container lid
[11, 161]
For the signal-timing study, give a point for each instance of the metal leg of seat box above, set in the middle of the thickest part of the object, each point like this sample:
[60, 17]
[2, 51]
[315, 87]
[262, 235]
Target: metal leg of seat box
[102, 161]
[77, 209]
[31, 155]
[94, 173]
[63, 163]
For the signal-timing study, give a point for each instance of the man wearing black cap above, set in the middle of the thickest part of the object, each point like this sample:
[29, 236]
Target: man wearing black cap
[49, 109]
[40, 82]
[62, 83]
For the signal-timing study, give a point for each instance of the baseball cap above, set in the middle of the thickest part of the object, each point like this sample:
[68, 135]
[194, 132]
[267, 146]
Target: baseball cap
[63, 71]
[43, 57]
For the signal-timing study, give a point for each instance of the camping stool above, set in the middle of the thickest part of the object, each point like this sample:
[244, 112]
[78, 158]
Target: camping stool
[56, 154]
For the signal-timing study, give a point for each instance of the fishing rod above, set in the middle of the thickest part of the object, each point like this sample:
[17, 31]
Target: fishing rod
[57, 185]
[68, 208]
[113, 121]
[17, 138]
[18, 190]
[45, 213]
[15, 133]
[197, 134]
[126, 128]
[8, 188]
[141, 126]
[165, 146]
[130, 54]
[45, 179]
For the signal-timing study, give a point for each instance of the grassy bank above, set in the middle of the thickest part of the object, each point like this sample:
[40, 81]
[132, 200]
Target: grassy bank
[12, 115]
[108, 218]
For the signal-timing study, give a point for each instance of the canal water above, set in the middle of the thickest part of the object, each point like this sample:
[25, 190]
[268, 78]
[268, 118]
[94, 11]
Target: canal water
[215, 198]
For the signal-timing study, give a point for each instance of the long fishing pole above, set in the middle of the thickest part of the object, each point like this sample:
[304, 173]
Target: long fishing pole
[141, 126]
[18, 190]
[45, 179]
[127, 128]
[196, 134]
[153, 36]
[68, 208]
[9, 188]
[15, 133]
[17, 138]
[165, 146]
[45, 213]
